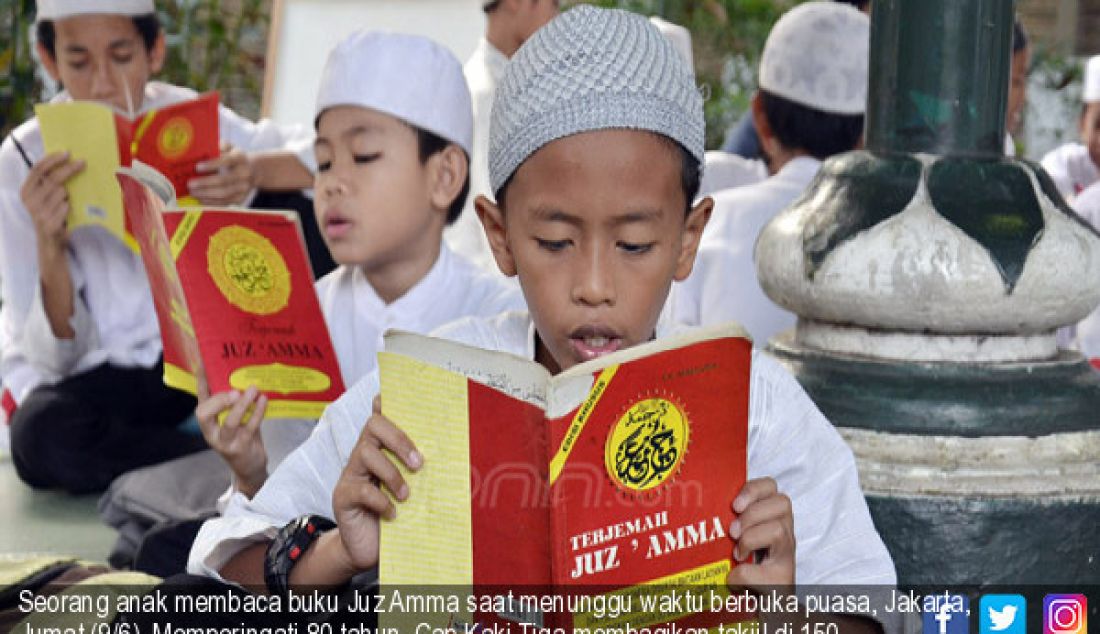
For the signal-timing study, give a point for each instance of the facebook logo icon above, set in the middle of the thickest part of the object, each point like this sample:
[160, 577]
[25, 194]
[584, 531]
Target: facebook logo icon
[946, 614]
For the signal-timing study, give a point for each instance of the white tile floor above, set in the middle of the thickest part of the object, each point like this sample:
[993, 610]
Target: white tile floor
[49, 522]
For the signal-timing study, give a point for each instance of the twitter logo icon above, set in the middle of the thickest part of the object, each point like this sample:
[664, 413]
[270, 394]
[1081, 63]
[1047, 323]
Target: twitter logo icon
[1003, 614]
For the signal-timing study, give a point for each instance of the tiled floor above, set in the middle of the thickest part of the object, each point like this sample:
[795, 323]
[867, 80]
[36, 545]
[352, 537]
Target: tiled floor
[49, 522]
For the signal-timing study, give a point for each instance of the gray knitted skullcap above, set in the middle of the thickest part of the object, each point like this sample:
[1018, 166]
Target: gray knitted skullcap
[591, 69]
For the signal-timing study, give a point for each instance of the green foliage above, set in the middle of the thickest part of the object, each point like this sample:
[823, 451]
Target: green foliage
[218, 45]
[212, 45]
[18, 84]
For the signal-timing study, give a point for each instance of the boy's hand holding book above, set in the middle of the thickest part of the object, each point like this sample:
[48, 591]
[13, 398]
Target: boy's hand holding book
[237, 439]
[765, 523]
[226, 180]
[46, 199]
[358, 500]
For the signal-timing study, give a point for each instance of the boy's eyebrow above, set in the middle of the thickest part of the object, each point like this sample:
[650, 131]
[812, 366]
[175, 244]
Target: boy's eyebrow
[361, 129]
[642, 215]
[553, 214]
[121, 44]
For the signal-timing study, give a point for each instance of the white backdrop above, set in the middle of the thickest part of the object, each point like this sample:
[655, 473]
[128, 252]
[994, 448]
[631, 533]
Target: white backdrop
[304, 31]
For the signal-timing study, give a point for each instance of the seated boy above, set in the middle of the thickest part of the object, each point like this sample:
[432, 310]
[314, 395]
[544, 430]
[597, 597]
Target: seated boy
[392, 172]
[596, 144]
[79, 343]
[800, 123]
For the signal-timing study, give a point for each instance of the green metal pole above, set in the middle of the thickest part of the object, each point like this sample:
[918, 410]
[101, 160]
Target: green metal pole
[939, 76]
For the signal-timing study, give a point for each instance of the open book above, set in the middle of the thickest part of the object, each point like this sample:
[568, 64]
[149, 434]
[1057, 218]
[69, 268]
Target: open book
[617, 475]
[172, 140]
[234, 297]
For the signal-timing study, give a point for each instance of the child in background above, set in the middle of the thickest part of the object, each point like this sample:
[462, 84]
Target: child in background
[393, 130]
[1073, 166]
[596, 148]
[393, 143]
[79, 344]
[800, 123]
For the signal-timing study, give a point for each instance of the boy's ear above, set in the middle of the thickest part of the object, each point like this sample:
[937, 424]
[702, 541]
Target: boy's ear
[157, 54]
[760, 122]
[694, 224]
[48, 62]
[492, 220]
[447, 176]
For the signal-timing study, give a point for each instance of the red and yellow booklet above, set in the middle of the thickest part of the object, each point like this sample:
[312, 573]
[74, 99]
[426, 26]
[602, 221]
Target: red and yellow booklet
[233, 292]
[172, 140]
[614, 478]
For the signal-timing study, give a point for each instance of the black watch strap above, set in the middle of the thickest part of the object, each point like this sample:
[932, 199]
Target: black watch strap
[287, 549]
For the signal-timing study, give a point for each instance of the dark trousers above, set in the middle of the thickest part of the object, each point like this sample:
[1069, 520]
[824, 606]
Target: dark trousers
[164, 549]
[81, 433]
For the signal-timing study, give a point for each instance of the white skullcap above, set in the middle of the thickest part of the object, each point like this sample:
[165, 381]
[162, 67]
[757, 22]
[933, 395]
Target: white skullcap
[406, 76]
[679, 36]
[591, 69]
[1092, 80]
[817, 56]
[58, 9]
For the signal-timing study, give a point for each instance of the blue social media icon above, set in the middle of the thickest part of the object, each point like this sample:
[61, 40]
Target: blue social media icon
[1003, 614]
[945, 614]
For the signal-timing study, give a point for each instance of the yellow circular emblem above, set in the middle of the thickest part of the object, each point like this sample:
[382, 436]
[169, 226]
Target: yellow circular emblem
[647, 445]
[175, 137]
[248, 270]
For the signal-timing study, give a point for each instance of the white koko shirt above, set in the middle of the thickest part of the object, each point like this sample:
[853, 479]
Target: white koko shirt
[723, 285]
[789, 440]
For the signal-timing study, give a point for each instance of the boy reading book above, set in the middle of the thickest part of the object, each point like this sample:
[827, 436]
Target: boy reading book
[78, 333]
[392, 173]
[596, 143]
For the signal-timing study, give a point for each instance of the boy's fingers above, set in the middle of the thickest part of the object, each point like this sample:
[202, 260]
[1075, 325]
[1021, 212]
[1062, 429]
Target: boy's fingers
[371, 498]
[754, 490]
[397, 441]
[63, 173]
[770, 536]
[379, 466]
[376, 405]
[774, 508]
[253, 426]
[208, 409]
[55, 197]
[237, 412]
[748, 576]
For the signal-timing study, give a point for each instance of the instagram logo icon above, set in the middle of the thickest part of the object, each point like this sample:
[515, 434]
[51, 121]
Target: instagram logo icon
[1065, 614]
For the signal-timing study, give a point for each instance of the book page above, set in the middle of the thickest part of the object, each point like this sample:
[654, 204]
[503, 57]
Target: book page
[430, 405]
[87, 131]
[515, 376]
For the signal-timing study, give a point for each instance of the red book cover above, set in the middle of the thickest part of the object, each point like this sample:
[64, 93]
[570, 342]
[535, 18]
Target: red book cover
[173, 139]
[233, 288]
[615, 478]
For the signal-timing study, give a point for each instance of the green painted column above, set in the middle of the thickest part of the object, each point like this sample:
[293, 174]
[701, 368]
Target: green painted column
[939, 76]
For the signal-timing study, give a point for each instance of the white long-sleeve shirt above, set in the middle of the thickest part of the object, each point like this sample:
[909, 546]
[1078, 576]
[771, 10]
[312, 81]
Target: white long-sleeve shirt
[789, 440]
[723, 286]
[1071, 168]
[113, 314]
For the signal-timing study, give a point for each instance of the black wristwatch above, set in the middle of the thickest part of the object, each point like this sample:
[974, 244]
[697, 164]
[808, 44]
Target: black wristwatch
[290, 544]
